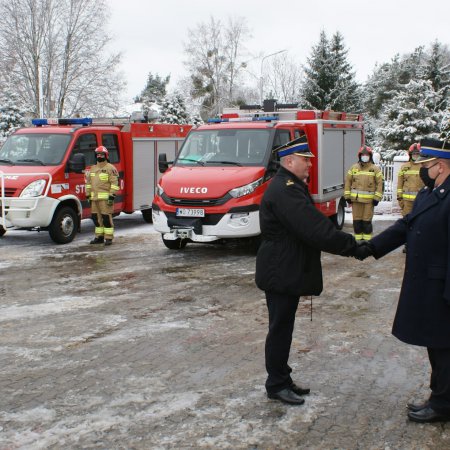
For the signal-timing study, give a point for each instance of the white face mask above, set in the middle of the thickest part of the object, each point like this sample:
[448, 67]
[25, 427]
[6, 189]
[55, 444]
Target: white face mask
[365, 158]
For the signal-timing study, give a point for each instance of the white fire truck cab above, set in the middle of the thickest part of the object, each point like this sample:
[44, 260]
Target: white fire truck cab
[42, 184]
[214, 187]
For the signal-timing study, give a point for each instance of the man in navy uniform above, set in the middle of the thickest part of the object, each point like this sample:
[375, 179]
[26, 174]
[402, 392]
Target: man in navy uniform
[423, 312]
[288, 263]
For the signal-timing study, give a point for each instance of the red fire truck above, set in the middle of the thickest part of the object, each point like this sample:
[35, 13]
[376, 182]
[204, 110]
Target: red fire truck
[214, 188]
[42, 170]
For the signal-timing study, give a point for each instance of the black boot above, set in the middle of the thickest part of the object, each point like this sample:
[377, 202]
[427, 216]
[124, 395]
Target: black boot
[97, 240]
[108, 241]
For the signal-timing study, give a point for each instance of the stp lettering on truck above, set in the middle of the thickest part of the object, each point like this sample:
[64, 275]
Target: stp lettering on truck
[193, 190]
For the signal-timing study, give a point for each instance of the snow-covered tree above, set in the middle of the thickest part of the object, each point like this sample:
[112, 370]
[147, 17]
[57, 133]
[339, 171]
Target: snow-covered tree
[12, 113]
[54, 52]
[409, 116]
[329, 80]
[155, 89]
[346, 92]
[214, 60]
[173, 110]
[318, 80]
[283, 79]
[444, 126]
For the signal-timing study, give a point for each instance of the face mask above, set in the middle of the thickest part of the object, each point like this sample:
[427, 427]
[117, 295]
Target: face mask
[425, 177]
[101, 158]
[365, 158]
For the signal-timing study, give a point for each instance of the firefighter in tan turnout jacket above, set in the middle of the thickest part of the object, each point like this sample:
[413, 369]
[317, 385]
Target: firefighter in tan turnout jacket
[363, 190]
[102, 184]
[409, 182]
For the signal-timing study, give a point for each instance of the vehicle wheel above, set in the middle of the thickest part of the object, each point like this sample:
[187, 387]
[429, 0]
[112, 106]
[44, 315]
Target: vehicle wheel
[64, 225]
[2, 231]
[177, 244]
[339, 218]
[147, 215]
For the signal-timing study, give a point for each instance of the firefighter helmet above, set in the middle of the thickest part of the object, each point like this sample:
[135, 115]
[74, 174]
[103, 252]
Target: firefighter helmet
[102, 149]
[365, 149]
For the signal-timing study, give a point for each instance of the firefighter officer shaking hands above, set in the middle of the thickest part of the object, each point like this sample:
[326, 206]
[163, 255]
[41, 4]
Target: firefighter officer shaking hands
[102, 184]
[293, 233]
[423, 311]
[363, 190]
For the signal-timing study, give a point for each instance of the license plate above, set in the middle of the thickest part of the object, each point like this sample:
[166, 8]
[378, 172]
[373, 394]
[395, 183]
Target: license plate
[190, 212]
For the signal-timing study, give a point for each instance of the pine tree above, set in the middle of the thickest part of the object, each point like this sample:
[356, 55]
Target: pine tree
[329, 80]
[318, 76]
[12, 114]
[155, 89]
[345, 94]
[173, 110]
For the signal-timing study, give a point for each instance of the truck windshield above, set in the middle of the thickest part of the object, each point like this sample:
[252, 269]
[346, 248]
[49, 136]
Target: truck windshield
[35, 149]
[240, 147]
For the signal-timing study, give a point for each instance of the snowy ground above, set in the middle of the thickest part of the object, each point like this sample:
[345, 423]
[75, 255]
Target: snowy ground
[138, 347]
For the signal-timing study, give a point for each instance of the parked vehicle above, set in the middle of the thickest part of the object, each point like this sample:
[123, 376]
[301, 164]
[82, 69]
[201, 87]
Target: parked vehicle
[42, 184]
[214, 188]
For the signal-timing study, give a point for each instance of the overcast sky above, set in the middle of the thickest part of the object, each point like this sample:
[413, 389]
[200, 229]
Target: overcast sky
[151, 33]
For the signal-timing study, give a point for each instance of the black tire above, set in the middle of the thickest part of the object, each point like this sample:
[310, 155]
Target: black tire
[64, 225]
[147, 215]
[339, 218]
[177, 244]
[2, 231]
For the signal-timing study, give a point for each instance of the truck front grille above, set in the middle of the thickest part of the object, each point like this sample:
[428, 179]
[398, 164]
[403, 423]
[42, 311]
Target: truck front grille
[196, 202]
[9, 192]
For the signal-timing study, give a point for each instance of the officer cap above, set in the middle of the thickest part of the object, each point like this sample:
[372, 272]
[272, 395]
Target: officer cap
[298, 146]
[432, 149]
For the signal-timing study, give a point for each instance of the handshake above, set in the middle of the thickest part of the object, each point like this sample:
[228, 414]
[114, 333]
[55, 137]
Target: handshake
[363, 250]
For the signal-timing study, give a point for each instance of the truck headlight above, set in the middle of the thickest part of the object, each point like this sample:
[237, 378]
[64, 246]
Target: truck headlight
[34, 189]
[245, 190]
[159, 190]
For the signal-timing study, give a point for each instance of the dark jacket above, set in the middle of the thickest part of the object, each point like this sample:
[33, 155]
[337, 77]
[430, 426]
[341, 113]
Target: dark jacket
[423, 312]
[294, 232]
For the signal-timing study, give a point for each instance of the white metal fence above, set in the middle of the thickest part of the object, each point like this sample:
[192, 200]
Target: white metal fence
[388, 176]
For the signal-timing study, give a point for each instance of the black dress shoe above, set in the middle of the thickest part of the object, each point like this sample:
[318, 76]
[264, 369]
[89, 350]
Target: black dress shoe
[300, 390]
[426, 415]
[416, 406]
[287, 396]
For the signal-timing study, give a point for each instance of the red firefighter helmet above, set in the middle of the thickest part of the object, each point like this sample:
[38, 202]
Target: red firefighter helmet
[102, 149]
[414, 148]
[365, 149]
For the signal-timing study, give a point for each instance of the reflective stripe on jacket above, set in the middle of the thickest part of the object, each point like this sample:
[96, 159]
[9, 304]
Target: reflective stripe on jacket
[409, 182]
[102, 181]
[364, 183]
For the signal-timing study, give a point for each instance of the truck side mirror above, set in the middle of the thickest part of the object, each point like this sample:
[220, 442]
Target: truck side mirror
[78, 163]
[163, 164]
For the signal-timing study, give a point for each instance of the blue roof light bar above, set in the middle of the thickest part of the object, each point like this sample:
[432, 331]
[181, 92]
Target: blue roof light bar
[72, 121]
[244, 119]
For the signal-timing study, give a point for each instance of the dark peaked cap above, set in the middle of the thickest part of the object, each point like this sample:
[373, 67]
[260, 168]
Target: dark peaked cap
[298, 146]
[432, 149]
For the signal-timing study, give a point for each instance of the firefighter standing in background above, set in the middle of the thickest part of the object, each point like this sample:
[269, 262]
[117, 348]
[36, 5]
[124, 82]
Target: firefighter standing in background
[102, 184]
[363, 190]
[409, 181]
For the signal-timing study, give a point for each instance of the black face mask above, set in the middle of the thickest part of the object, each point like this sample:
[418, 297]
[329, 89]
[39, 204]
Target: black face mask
[100, 158]
[425, 177]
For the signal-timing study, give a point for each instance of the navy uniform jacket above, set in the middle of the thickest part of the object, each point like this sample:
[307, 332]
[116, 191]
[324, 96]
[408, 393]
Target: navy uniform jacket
[294, 232]
[423, 312]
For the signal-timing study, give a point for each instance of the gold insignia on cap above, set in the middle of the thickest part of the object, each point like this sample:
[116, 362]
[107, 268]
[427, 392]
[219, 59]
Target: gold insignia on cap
[289, 183]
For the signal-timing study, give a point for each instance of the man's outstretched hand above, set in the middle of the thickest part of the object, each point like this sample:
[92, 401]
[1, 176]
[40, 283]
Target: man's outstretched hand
[363, 250]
